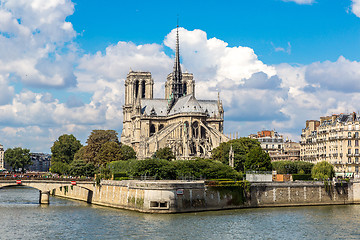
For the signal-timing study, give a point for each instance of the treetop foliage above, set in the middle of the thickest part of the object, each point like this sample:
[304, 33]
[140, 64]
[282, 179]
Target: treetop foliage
[164, 153]
[323, 170]
[248, 155]
[64, 149]
[17, 158]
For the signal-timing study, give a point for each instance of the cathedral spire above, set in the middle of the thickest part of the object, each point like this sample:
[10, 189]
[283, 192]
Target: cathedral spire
[177, 89]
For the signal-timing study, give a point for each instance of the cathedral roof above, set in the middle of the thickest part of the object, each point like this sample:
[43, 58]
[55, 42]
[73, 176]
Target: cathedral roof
[156, 107]
[210, 106]
[185, 104]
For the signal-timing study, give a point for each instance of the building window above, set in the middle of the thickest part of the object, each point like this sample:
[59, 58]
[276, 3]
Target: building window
[279, 146]
[356, 143]
[349, 151]
[349, 134]
[356, 134]
[356, 169]
[266, 146]
[356, 160]
[356, 151]
[349, 160]
[349, 142]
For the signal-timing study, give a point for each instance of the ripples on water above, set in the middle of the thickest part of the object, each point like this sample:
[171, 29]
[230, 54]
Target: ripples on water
[23, 218]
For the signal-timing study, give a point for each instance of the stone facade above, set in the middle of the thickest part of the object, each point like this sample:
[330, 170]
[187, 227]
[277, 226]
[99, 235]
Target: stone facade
[190, 127]
[2, 163]
[270, 141]
[334, 139]
[291, 152]
[278, 149]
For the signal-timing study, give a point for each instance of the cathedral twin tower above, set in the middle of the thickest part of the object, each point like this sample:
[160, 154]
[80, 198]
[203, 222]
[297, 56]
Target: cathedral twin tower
[190, 127]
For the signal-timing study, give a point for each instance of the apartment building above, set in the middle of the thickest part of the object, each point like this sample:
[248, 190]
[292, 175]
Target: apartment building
[279, 150]
[334, 139]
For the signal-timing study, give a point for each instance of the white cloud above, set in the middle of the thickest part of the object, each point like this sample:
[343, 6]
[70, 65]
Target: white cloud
[342, 75]
[301, 1]
[355, 7]
[282, 49]
[36, 40]
[212, 59]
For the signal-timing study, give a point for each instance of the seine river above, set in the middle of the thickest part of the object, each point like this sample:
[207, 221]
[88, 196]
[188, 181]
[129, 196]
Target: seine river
[21, 217]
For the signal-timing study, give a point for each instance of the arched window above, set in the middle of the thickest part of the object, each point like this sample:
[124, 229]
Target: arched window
[195, 129]
[152, 129]
[186, 128]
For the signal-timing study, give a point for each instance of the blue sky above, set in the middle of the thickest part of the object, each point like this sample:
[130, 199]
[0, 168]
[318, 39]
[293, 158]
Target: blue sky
[276, 63]
[320, 31]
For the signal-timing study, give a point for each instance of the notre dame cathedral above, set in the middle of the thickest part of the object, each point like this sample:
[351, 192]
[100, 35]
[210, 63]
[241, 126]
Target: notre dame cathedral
[190, 127]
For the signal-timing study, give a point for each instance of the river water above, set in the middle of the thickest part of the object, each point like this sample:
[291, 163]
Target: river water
[21, 217]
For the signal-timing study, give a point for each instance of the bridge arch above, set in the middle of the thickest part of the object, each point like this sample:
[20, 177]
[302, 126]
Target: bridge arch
[46, 186]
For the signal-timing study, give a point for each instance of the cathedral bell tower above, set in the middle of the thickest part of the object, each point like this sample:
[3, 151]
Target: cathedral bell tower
[138, 85]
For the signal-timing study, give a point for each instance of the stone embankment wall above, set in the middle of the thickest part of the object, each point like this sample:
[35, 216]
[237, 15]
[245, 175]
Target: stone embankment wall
[300, 193]
[182, 196]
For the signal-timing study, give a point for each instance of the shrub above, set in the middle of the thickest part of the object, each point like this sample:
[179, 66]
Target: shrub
[292, 167]
[304, 177]
[163, 169]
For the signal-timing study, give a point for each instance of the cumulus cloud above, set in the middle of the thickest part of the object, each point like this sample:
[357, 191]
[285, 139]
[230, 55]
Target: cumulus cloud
[355, 7]
[36, 42]
[342, 75]
[301, 1]
[212, 59]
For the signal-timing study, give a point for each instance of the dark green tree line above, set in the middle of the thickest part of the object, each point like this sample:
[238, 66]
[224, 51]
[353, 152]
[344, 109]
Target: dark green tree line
[17, 158]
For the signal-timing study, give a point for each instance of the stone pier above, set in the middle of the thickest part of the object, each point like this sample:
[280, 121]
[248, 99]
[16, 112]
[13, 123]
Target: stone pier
[44, 197]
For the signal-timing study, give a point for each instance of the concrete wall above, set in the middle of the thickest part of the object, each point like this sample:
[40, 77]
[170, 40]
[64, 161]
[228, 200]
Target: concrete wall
[303, 193]
[181, 196]
[259, 177]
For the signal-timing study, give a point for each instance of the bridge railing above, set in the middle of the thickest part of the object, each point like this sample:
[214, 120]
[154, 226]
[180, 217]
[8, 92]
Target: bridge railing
[44, 178]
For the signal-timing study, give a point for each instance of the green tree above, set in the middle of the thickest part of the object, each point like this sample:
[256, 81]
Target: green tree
[323, 170]
[83, 154]
[127, 153]
[64, 149]
[95, 142]
[80, 168]
[242, 157]
[164, 153]
[60, 168]
[109, 151]
[17, 158]
[257, 159]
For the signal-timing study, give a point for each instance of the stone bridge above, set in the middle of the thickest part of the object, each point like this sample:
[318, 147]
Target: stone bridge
[46, 186]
